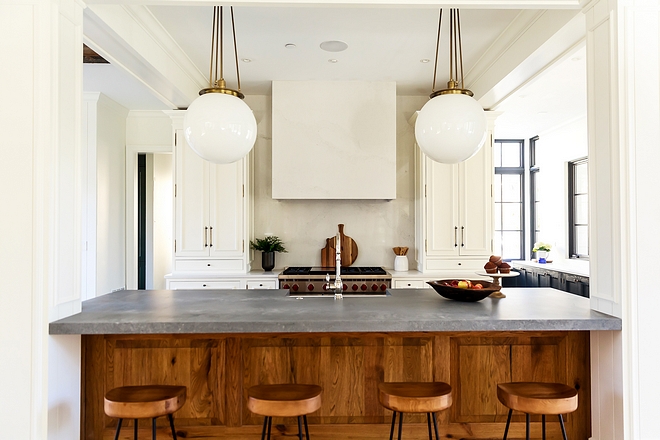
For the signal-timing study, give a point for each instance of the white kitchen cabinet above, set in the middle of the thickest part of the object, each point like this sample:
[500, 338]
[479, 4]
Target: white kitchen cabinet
[454, 206]
[211, 212]
[261, 284]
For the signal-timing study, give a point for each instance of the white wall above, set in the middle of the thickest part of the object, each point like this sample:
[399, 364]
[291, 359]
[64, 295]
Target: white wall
[553, 150]
[163, 215]
[375, 225]
[111, 199]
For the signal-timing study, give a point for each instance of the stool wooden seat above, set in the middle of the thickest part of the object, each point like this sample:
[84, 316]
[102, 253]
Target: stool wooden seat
[284, 400]
[144, 401]
[415, 397]
[537, 398]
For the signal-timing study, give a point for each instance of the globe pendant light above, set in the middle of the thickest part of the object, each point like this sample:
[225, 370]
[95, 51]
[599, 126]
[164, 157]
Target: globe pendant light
[219, 126]
[451, 127]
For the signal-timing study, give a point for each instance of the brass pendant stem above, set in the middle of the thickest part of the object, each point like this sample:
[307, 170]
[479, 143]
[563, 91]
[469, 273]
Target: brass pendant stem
[437, 48]
[456, 81]
[217, 82]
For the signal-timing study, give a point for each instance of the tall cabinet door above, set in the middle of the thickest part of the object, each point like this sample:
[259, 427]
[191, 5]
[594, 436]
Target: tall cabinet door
[476, 223]
[226, 209]
[442, 205]
[191, 201]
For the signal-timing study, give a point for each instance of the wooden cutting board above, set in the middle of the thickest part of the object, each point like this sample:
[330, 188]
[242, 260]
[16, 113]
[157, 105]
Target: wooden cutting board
[328, 253]
[349, 250]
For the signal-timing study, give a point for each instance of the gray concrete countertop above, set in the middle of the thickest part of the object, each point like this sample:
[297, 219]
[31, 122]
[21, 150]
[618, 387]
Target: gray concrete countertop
[272, 311]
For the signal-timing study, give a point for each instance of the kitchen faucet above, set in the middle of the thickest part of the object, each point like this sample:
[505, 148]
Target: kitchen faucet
[339, 285]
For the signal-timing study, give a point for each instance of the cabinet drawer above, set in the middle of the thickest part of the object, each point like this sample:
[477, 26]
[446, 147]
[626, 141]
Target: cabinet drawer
[453, 265]
[262, 284]
[409, 284]
[205, 284]
[208, 265]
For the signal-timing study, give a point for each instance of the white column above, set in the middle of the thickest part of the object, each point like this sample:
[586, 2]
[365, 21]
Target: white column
[623, 48]
[40, 189]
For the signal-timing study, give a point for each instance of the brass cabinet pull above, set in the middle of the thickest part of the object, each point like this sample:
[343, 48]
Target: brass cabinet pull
[462, 236]
[206, 229]
[211, 234]
[455, 236]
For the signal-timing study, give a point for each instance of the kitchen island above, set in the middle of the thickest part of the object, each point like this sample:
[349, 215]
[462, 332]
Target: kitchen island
[219, 343]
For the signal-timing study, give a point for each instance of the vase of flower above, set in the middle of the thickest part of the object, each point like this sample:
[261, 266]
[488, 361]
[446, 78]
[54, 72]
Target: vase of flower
[268, 246]
[541, 250]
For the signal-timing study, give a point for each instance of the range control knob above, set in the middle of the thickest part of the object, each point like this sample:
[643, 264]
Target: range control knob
[383, 287]
[344, 287]
[354, 287]
[374, 287]
[286, 286]
[325, 287]
[294, 287]
[363, 287]
[310, 287]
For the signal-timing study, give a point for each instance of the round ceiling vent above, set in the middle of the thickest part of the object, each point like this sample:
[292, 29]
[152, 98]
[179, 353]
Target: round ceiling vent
[333, 46]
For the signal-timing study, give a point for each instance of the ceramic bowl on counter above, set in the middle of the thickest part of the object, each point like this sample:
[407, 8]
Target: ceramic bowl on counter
[446, 290]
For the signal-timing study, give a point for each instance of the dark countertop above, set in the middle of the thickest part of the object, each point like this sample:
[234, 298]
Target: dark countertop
[272, 311]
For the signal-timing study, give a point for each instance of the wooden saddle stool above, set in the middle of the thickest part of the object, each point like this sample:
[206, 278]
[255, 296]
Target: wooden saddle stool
[142, 402]
[415, 397]
[537, 398]
[284, 400]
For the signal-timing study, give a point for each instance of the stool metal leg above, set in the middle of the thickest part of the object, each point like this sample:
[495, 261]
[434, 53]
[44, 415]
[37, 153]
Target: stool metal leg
[393, 423]
[153, 428]
[526, 426]
[543, 425]
[270, 422]
[135, 430]
[169, 416]
[508, 422]
[435, 426]
[428, 422]
[299, 428]
[263, 430]
[306, 428]
[118, 429]
[400, 424]
[563, 430]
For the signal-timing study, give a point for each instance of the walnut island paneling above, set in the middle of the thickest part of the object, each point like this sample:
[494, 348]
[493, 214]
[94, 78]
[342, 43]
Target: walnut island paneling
[219, 343]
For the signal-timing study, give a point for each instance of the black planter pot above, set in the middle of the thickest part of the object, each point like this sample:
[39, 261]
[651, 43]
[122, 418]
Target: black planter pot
[268, 261]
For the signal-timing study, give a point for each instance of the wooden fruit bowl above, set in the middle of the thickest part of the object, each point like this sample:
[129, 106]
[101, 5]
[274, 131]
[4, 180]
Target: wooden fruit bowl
[445, 290]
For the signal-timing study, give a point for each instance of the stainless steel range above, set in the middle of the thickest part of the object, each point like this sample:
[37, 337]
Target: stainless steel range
[355, 279]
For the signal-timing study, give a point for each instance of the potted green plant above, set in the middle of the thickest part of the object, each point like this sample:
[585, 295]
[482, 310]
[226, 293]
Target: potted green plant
[541, 250]
[268, 246]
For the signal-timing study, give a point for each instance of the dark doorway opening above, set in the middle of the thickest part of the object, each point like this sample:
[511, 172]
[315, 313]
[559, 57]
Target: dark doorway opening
[142, 221]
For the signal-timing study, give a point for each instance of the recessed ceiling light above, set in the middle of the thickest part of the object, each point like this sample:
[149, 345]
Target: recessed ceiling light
[332, 60]
[246, 60]
[425, 60]
[290, 46]
[576, 58]
[522, 96]
[333, 46]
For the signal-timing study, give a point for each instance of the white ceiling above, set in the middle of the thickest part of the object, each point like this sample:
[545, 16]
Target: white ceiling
[384, 44]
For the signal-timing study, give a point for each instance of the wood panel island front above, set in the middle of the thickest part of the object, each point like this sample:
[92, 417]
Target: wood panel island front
[219, 343]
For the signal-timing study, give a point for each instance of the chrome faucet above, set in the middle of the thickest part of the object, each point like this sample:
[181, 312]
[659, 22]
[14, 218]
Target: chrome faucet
[339, 285]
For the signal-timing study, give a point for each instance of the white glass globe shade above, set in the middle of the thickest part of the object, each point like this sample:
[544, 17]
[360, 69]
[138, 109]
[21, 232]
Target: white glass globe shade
[220, 128]
[451, 128]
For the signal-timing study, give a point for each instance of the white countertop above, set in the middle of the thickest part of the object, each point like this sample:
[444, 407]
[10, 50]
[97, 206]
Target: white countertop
[575, 267]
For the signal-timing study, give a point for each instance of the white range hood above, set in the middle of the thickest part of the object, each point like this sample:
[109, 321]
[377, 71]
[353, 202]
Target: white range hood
[334, 140]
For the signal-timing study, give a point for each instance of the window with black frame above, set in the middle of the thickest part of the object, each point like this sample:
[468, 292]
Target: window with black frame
[508, 195]
[578, 208]
[534, 220]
